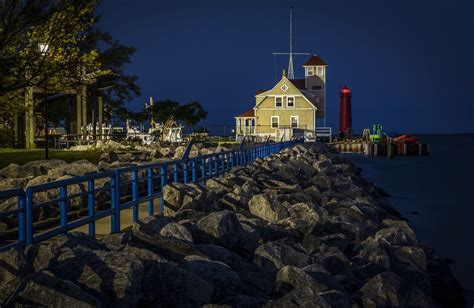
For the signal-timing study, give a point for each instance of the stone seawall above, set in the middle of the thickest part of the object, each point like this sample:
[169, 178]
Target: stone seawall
[297, 229]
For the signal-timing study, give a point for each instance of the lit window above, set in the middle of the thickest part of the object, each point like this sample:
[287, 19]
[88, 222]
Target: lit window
[278, 101]
[275, 122]
[310, 71]
[294, 121]
[290, 101]
[320, 71]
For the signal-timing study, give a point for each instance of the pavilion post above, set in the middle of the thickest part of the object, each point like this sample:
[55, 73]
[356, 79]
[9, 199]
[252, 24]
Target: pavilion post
[100, 114]
[78, 116]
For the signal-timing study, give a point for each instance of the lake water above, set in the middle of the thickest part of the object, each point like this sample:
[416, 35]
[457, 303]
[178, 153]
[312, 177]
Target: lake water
[436, 194]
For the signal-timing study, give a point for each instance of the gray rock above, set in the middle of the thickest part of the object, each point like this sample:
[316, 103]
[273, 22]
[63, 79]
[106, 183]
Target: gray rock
[222, 228]
[14, 266]
[179, 197]
[177, 231]
[314, 277]
[45, 290]
[302, 217]
[384, 290]
[303, 297]
[268, 208]
[78, 168]
[274, 255]
[226, 282]
[116, 277]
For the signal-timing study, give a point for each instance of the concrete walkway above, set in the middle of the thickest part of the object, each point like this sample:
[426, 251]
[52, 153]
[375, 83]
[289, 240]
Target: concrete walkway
[103, 226]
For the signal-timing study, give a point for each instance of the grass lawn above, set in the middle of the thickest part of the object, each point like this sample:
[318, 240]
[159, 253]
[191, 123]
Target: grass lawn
[21, 156]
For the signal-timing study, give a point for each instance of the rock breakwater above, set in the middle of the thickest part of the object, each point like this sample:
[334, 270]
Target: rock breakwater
[300, 228]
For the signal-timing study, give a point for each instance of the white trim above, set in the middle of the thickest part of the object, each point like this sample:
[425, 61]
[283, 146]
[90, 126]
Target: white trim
[282, 101]
[271, 121]
[297, 121]
[294, 101]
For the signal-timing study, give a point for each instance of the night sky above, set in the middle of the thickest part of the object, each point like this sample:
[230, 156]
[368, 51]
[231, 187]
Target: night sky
[409, 63]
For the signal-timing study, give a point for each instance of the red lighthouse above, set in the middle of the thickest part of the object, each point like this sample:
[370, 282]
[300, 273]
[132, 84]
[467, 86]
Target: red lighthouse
[345, 115]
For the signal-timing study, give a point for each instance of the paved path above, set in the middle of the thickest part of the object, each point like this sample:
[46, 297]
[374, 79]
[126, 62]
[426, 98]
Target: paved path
[102, 226]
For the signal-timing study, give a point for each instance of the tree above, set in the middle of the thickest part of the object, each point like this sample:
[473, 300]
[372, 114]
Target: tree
[113, 56]
[40, 44]
[189, 114]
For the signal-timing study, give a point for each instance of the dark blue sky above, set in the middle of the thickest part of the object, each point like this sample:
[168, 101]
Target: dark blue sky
[409, 63]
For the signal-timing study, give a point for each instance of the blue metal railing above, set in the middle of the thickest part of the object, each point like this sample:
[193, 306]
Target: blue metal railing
[108, 193]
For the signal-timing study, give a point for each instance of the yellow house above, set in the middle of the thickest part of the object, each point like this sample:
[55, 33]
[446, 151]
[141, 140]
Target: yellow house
[289, 109]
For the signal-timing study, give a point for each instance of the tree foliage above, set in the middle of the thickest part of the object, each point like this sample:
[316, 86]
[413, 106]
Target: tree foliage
[189, 114]
[56, 45]
[40, 44]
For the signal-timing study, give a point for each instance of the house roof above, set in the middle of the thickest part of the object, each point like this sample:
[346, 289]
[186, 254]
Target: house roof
[259, 91]
[314, 60]
[247, 114]
[299, 83]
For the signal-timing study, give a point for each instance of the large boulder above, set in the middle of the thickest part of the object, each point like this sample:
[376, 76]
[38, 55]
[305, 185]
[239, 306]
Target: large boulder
[313, 276]
[274, 255]
[268, 208]
[222, 228]
[115, 277]
[179, 196]
[302, 217]
[44, 289]
[389, 290]
[77, 168]
[303, 297]
[226, 282]
[14, 266]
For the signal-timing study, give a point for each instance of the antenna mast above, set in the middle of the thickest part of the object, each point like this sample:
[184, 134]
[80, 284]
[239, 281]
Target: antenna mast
[291, 74]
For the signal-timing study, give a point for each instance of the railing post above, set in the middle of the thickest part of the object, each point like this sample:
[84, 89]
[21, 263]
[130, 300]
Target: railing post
[232, 159]
[209, 161]
[185, 172]
[21, 219]
[29, 217]
[91, 206]
[116, 203]
[222, 163]
[164, 180]
[175, 172]
[203, 168]
[150, 190]
[135, 194]
[216, 165]
[194, 170]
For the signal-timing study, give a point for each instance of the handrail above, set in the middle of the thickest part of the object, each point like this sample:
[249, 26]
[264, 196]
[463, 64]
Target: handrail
[123, 189]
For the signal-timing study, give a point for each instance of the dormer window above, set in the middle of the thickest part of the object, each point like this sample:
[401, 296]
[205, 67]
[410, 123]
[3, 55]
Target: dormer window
[290, 101]
[320, 71]
[278, 101]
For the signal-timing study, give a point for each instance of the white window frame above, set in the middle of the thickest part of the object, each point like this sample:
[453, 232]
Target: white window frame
[294, 101]
[282, 101]
[310, 71]
[278, 121]
[320, 70]
[297, 121]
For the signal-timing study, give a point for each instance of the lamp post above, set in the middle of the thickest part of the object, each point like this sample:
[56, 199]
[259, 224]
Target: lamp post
[43, 48]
